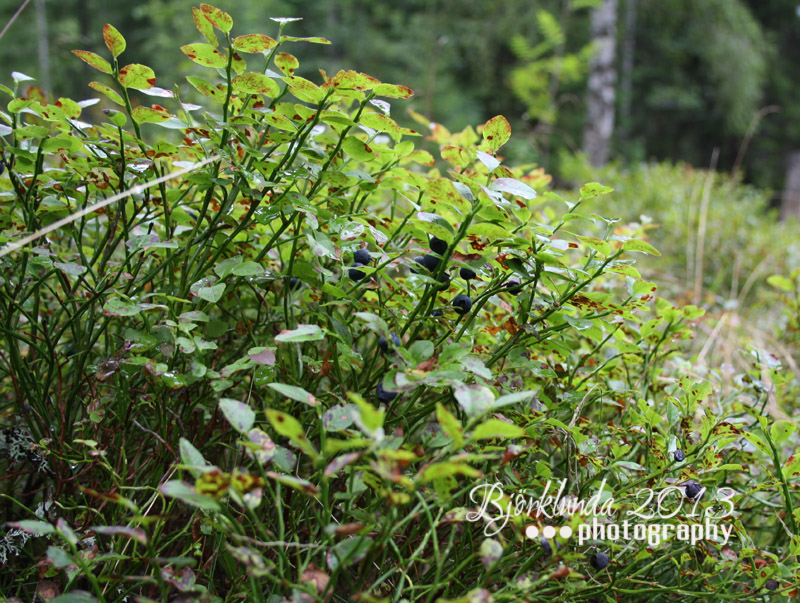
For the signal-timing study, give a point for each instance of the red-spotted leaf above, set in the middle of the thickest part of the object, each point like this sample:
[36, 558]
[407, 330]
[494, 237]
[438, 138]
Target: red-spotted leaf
[205, 55]
[312, 40]
[204, 26]
[254, 43]
[496, 132]
[146, 115]
[305, 486]
[238, 63]
[137, 76]
[304, 89]
[113, 39]
[393, 91]
[255, 83]
[353, 80]
[216, 93]
[218, 18]
[95, 60]
[110, 93]
[286, 62]
[357, 149]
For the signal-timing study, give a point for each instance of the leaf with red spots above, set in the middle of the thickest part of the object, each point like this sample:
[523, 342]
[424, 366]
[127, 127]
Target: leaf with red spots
[205, 55]
[310, 40]
[255, 83]
[218, 18]
[254, 43]
[206, 89]
[384, 123]
[393, 91]
[304, 89]
[204, 27]
[442, 190]
[286, 62]
[137, 76]
[289, 427]
[353, 80]
[305, 486]
[147, 115]
[637, 245]
[357, 149]
[95, 60]
[496, 132]
[114, 40]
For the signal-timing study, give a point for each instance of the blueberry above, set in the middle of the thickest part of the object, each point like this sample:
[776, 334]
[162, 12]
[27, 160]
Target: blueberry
[693, 489]
[362, 256]
[438, 246]
[771, 584]
[467, 274]
[548, 550]
[384, 345]
[437, 312]
[462, 304]
[513, 286]
[599, 560]
[356, 274]
[427, 261]
[678, 454]
[384, 395]
[295, 283]
[445, 282]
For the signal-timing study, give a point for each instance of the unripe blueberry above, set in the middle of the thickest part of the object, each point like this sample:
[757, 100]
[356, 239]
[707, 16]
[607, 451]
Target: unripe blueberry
[678, 454]
[693, 489]
[384, 345]
[384, 395]
[467, 274]
[362, 256]
[438, 246]
[462, 304]
[354, 273]
[599, 561]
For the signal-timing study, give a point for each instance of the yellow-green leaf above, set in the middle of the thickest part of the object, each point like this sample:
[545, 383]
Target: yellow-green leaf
[393, 91]
[495, 428]
[204, 27]
[450, 425]
[496, 132]
[286, 62]
[216, 93]
[113, 39]
[357, 149]
[137, 76]
[255, 83]
[218, 18]
[205, 55]
[95, 60]
[147, 115]
[637, 245]
[254, 43]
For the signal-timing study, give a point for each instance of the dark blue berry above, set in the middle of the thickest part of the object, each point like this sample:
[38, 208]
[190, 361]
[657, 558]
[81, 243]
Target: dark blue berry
[444, 279]
[427, 261]
[438, 246]
[678, 454]
[693, 489]
[354, 273]
[384, 345]
[599, 561]
[362, 256]
[384, 395]
[467, 274]
[513, 286]
[548, 550]
[437, 312]
[462, 304]
[295, 283]
[771, 584]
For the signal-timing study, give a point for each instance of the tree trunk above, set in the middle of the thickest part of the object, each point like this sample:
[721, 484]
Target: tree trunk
[602, 81]
[42, 46]
[790, 200]
[626, 70]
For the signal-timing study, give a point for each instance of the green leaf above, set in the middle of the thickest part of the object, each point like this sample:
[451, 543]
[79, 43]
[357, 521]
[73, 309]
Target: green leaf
[238, 414]
[348, 551]
[490, 552]
[113, 39]
[254, 43]
[255, 83]
[310, 40]
[205, 55]
[353, 80]
[286, 62]
[598, 245]
[204, 26]
[225, 267]
[218, 18]
[593, 189]
[450, 425]
[356, 149]
[289, 427]
[782, 430]
[781, 282]
[95, 60]
[212, 294]
[441, 190]
[109, 92]
[191, 457]
[495, 428]
[70, 268]
[474, 399]
[137, 76]
[148, 115]
[496, 132]
[216, 93]
[76, 596]
[295, 393]
[118, 307]
[137, 534]
[186, 493]
[393, 91]
[33, 526]
[637, 245]
[301, 333]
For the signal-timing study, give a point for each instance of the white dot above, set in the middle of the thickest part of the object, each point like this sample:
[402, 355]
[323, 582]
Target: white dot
[531, 532]
[565, 531]
[549, 531]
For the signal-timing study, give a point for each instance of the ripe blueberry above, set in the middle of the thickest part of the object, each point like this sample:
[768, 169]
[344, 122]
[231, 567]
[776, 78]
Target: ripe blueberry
[678, 454]
[437, 312]
[295, 283]
[427, 261]
[462, 304]
[513, 286]
[384, 395]
[548, 550]
[362, 256]
[438, 246]
[467, 274]
[444, 279]
[384, 345]
[599, 560]
[354, 273]
[693, 489]
[771, 584]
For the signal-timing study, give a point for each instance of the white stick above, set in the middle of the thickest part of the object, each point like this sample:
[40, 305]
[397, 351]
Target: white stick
[14, 245]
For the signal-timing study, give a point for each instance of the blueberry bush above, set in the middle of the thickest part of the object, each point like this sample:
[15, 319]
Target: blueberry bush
[265, 341]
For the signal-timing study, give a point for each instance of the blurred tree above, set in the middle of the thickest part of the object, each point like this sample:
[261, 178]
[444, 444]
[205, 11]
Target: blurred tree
[601, 91]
